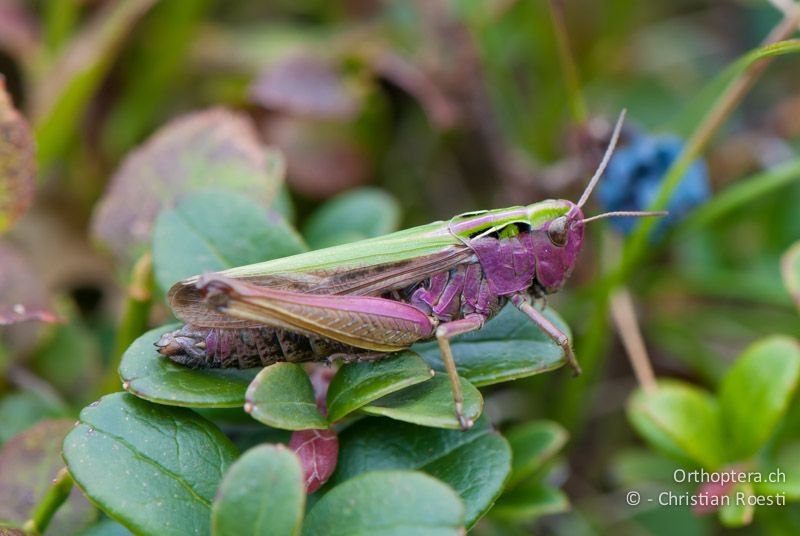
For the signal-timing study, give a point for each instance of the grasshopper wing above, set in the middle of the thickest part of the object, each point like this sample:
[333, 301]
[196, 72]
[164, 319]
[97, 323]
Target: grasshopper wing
[355, 275]
[361, 321]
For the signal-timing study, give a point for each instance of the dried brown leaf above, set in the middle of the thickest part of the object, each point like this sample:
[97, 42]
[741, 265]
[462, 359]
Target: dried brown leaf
[215, 148]
[17, 162]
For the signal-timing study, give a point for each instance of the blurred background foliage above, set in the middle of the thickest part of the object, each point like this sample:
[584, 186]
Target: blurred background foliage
[445, 107]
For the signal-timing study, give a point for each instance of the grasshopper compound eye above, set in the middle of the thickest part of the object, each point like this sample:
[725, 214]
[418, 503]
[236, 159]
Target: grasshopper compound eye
[557, 231]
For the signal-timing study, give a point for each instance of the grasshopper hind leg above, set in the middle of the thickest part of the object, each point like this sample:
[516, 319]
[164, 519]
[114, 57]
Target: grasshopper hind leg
[444, 333]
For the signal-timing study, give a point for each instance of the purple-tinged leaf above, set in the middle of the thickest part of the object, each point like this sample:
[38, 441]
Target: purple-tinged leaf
[22, 296]
[322, 158]
[440, 108]
[28, 464]
[318, 451]
[709, 490]
[19, 34]
[321, 376]
[306, 85]
[214, 148]
[17, 161]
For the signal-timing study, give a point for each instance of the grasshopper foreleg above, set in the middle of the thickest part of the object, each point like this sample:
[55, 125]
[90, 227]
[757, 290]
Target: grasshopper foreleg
[522, 302]
[444, 332]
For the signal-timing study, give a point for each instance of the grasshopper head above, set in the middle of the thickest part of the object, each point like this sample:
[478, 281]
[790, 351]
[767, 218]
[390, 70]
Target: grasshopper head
[556, 244]
[556, 248]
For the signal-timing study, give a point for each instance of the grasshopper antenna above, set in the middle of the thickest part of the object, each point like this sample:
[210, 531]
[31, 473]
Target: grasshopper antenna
[603, 163]
[626, 213]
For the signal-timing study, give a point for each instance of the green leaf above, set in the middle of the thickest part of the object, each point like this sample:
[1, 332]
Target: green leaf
[530, 500]
[633, 466]
[428, 404]
[149, 375]
[17, 162]
[210, 231]
[282, 396]
[69, 358]
[354, 215]
[756, 391]
[152, 75]
[214, 148]
[790, 269]
[155, 469]
[735, 514]
[106, 527]
[357, 384]
[681, 419]
[532, 444]
[509, 346]
[68, 85]
[384, 503]
[28, 464]
[262, 493]
[23, 409]
[474, 463]
[787, 461]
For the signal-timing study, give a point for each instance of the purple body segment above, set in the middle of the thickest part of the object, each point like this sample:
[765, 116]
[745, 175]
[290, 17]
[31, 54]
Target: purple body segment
[429, 296]
[508, 263]
[554, 264]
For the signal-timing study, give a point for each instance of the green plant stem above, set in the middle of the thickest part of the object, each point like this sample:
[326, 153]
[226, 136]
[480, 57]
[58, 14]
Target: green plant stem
[44, 511]
[567, 60]
[636, 246]
[135, 318]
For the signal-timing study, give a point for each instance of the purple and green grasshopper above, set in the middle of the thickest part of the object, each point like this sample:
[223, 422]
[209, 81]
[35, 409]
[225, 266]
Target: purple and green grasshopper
[368, 299]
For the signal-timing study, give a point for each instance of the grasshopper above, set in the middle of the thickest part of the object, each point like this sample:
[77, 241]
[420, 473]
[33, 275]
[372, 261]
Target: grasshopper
[367, 299]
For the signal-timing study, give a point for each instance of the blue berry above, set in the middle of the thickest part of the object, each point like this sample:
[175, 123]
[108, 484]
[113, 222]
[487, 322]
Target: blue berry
[634, 176]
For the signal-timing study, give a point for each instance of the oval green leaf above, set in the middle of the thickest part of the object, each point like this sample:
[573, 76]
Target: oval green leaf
[355, 215]
[682, 420]
[210, 231]
[756, 391]
[474, 463]
[383, 503]
[105, 527]
[357, 384]
[262, 493]
[149, 375]
[155, 469]
[282, 396]
[23, 409]
[533, 443]
[509, 346]
[528, 501]
[738, 514]
[428, 404]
